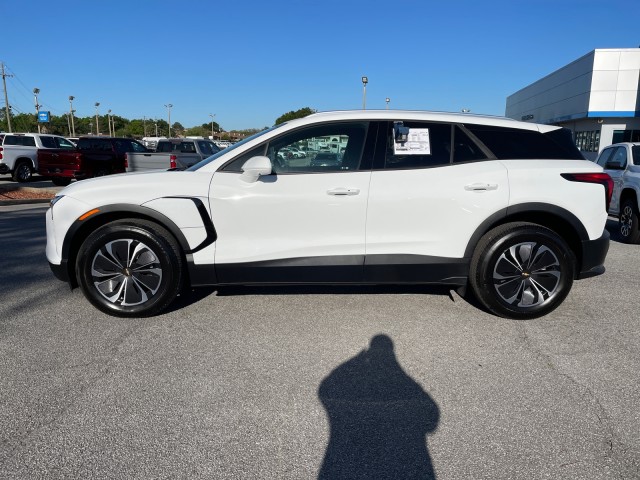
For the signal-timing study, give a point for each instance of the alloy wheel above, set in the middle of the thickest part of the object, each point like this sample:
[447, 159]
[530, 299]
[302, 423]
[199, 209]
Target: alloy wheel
[527, 274]
[626, 221]
[126, 272]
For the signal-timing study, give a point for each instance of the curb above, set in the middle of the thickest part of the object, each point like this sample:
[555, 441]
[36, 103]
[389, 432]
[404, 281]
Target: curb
[25, 201]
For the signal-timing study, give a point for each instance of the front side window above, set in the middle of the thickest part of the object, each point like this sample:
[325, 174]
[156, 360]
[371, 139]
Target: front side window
[342, 153]
[620, 157]
[187, 147]
[65, 144]
[48, 142]
[137, 147]
[207, 148]
[605, 156]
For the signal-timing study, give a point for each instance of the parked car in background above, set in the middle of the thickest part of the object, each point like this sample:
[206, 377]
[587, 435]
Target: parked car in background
[508, 211]
[92, 157]
[178, 153]
[622, 162]
[19, 152]
[151, 142]
[326, 159]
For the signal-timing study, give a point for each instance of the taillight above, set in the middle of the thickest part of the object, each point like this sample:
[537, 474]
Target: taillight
[126, 160]
[173, 161]
[602, 178]
[0, 153]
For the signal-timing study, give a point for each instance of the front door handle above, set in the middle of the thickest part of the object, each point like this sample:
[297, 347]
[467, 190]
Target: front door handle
[343, 191]
[481, 187]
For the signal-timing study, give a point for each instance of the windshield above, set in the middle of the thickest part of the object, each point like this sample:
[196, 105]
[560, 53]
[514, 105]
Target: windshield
[210, 159]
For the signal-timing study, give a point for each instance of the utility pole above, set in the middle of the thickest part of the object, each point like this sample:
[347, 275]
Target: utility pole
[36, 91]
[6, 98]
[144, 125]
[169, 113]
[71, 110]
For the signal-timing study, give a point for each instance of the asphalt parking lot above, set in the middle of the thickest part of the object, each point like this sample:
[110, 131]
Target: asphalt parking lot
[314, 382]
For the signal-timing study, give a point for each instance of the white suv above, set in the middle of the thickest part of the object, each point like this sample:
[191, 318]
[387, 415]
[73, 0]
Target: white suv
[509, 208]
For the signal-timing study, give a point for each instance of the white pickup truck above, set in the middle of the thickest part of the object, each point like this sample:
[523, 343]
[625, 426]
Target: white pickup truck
[19, 152]
[622, 162]
[175, 153]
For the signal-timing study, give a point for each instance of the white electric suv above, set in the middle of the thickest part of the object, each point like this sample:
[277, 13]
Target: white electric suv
[510, 209]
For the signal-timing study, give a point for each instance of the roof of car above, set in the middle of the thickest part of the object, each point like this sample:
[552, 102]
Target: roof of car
[448, 117]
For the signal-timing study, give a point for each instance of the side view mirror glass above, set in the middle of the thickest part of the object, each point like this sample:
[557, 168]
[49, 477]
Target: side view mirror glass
[256, 167]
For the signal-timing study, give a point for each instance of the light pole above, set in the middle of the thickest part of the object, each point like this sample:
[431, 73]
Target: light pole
[97, 121]
[109, 121]
[465, 110]
[212, 117]
[169, 115]
[156, 129]
[365, 80]
[90, 128]
[73, 127]
[387, 100]
[36, 91]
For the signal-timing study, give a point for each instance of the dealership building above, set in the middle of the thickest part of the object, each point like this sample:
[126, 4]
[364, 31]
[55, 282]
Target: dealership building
[596, 97]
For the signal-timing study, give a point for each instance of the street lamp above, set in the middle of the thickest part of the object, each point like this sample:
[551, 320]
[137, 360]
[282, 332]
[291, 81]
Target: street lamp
[365, 80]
[90, 128]
[212, 117]
[109, 121]
[169, 114]
[73, 127]
[156, 129]
[97, 121]
[36, 91]
[387, 100]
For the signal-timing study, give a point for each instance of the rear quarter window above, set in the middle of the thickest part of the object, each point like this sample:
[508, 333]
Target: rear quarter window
[514, 143]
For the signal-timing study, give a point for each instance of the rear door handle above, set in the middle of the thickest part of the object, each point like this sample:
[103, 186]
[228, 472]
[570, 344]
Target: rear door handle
[343, 191]
[481, 187]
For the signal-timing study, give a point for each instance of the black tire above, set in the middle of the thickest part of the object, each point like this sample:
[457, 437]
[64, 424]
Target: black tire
[521, 270]
[130, 268]
[61, 181]
[629, 222]
[22, 171]
[101, 172]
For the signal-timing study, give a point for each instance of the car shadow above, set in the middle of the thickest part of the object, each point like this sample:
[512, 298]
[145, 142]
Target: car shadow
[379, 418]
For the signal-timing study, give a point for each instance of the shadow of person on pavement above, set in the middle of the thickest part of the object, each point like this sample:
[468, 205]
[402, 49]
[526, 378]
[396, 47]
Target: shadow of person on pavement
[379, 418]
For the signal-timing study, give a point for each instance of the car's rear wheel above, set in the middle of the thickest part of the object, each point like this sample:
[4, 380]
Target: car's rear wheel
[130, 268]
[22, 172]
[629, 221]
[521, 270]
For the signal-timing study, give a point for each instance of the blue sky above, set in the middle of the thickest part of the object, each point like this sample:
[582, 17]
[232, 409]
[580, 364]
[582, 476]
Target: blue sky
[249, 62]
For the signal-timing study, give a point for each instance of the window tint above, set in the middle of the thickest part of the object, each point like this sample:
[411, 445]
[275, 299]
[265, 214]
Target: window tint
[605, 156]
[635, 150]
[428, 145]
[512, 143]
[29, 141]
[20, 141]
[187, 147]
[619, 157]
[64, 143]
[164, 147]
[329, 148]
[207, 148]
[48, 142]
[94, 144]
[465, 149]
[137, 147]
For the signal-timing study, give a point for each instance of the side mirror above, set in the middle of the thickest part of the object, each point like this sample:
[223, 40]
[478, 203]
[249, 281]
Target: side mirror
[255, 168]
[614, 166]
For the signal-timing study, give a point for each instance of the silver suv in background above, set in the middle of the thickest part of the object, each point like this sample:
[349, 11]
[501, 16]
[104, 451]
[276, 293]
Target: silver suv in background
[622, 162]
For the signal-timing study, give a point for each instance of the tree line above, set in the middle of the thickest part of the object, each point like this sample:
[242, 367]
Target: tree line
[132, 128]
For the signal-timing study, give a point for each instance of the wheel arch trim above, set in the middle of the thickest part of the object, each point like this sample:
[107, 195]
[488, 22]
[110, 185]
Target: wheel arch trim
[516, 212]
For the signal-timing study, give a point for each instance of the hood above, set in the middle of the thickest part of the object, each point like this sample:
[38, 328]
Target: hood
[140, 187]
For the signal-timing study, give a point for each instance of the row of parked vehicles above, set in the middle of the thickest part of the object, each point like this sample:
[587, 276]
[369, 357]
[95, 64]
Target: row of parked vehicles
[61, 160]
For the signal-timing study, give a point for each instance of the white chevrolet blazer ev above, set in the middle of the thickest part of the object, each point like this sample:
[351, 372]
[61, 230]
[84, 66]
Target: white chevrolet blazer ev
[507, 208]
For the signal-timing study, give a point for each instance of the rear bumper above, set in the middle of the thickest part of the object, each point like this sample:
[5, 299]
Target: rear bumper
[593, 254]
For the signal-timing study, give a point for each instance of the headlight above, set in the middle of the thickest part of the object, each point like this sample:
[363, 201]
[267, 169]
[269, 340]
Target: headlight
[54, 200]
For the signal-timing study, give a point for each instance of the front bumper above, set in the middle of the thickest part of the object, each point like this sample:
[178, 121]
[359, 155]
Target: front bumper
[594, 253]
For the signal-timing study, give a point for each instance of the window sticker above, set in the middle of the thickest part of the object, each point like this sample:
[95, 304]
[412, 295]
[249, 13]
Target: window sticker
[417, 143]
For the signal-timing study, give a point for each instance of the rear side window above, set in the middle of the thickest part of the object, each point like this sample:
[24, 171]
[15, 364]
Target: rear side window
[427, 145]
[513, 143]
[188, 147]
[94, 144]
[635, 150]
[164, 147]
[19, 140]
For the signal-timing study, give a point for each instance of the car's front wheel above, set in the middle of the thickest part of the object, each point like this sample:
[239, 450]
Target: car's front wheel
[521, 270]
[130, 268]
[629, 221]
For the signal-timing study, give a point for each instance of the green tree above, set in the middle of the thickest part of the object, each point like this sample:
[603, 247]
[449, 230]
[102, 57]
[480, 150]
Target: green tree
[303, 112]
